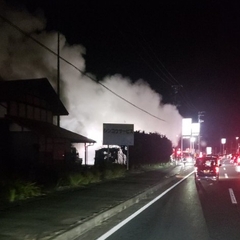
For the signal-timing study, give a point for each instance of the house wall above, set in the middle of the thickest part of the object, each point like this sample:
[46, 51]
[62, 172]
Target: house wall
[22, 149]
[26, 151]
[23, 152]
[54, 148]
[50, 150]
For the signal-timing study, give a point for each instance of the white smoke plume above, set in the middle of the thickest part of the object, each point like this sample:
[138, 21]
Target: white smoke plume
[88, 103]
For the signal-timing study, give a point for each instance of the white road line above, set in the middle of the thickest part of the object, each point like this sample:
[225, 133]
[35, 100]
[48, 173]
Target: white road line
[121, 224]
[232, 196]
[224, 169]
[225, 174]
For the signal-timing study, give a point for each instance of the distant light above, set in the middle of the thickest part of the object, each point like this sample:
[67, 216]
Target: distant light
[209, 150]
[195, 129]
[192, 139]
[223, 140]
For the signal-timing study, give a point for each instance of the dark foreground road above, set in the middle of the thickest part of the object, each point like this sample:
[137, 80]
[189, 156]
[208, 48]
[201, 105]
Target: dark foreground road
[70, 213]
[189, 211]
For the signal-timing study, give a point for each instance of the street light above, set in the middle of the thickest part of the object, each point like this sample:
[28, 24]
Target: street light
[223, 141]
[237, 144]
[192, 140]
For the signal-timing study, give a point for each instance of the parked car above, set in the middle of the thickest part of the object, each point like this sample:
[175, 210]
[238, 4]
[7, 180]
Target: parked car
[207, 168]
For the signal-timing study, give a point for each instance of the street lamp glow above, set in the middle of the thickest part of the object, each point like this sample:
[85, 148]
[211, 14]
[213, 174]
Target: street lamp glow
[192, 148]
[237, 144]
[223, 141]
[209, 150]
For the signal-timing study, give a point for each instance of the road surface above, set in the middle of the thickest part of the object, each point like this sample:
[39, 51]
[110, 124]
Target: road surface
[188, 211]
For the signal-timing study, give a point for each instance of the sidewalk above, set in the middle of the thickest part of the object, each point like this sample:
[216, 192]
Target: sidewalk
[67, 214]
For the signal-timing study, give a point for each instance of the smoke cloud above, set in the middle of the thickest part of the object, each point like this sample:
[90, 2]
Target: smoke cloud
[88, 103]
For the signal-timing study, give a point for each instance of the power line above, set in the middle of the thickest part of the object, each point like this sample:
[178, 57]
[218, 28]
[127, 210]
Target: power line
[187, 100]
[171, 80]
[176, 83]
[149, 65]
[66, 61]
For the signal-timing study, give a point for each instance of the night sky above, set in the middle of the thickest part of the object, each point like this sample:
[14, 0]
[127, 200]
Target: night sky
[188, 45]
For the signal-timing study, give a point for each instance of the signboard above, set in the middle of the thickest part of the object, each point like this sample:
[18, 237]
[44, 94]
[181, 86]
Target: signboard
[195, 129]
[118, 134]
[209, 150]
[186, 127]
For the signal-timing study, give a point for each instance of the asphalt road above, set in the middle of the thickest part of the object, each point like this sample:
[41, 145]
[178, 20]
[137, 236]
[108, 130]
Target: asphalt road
[188, 211]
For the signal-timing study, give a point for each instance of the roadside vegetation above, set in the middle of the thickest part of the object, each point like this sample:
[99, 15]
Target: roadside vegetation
[150, 152]
[19, 189]
[14, 191]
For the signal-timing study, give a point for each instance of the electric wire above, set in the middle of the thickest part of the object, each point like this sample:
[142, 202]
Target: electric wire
[66, 61]
[184, 96]
[149, 65]
[172, 79]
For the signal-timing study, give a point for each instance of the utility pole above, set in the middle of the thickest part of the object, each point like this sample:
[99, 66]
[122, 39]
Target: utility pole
[58, 61]
[200, 114]
[58, 73]
[177, 104]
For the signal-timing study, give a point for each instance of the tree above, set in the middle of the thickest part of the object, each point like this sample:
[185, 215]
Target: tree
[151, 148]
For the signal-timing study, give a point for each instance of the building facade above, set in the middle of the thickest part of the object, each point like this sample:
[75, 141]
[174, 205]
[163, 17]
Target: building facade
[28, 133]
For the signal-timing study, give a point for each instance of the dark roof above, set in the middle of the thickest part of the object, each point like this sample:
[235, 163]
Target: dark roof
[50, 130]
[15, 89]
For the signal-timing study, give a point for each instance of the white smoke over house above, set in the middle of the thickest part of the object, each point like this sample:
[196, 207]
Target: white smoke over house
[89, 104]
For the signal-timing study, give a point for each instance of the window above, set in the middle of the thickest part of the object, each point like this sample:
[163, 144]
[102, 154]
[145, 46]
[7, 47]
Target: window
[36, 113]
[30, 112]
[43, 115]
[13, 109]
[29, 99]
[36, 101]
[49, 117]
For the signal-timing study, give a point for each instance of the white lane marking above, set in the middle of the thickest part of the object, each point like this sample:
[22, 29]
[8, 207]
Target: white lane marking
[232, 196]
[226, 176]
[224, 169]
[121, 224]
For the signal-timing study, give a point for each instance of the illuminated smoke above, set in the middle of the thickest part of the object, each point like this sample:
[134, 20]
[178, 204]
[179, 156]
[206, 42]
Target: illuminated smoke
[89, 104]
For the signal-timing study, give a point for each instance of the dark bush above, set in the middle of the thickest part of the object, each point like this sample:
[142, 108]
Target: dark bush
[151, 148]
